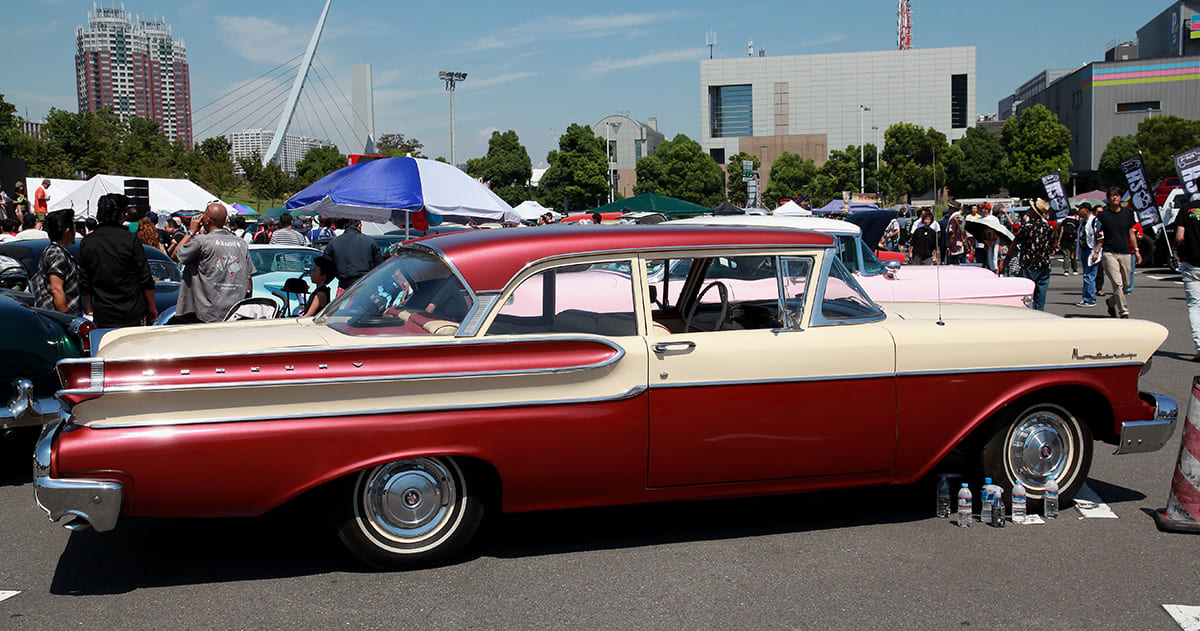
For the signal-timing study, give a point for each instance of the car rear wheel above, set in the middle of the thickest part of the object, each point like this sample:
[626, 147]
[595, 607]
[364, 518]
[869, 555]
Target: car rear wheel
[1037, 442]
[408, 513]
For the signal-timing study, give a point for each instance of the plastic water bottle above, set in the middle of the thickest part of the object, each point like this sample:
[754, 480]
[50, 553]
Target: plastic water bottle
[943, 498]
[985, 501]
[998, 513]
[964, 506]
[1050, 503]
[1018, 500]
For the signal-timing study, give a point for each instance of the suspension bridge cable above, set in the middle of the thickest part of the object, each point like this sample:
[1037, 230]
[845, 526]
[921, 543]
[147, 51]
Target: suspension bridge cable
[244, 95]
[332, 99]
[342, 92]
[332, 120]
[263, 103]
[248, 98]
[232, 90]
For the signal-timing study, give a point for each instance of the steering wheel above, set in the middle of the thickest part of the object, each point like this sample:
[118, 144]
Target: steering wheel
[723, 292]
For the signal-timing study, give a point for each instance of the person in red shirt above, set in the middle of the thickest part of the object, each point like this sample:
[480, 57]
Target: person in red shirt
[41, 198]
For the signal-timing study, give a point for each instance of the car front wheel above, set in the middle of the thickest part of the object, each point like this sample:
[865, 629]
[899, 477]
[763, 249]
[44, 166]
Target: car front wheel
[408, 513]
[1035, 443]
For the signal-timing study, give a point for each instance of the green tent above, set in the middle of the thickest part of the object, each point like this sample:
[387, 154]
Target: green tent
[276, 211]
[655, 203]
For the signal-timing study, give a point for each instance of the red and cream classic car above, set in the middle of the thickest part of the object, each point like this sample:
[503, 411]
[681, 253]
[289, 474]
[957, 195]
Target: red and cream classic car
[520, 370]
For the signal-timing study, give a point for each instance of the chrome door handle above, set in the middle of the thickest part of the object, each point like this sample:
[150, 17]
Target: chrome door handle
[662, 347]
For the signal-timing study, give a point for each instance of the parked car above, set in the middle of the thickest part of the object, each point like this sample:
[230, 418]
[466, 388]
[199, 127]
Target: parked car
[1164, 189]
[922, 283]
[425, 395]
[34, 341]
[164, 270]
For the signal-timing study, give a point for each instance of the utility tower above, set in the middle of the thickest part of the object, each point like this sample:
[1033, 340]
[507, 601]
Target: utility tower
[904, 24]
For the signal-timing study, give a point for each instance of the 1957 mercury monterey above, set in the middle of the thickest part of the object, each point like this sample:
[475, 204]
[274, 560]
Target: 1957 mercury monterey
[520, 370]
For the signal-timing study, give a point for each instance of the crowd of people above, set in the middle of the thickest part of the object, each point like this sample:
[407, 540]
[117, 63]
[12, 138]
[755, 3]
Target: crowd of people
[1102, 240]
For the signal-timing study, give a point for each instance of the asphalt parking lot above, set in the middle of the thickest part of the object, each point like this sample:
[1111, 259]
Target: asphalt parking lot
[870, 558]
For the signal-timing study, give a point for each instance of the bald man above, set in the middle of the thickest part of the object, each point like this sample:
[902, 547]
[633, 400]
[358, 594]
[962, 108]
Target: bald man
[216, 268]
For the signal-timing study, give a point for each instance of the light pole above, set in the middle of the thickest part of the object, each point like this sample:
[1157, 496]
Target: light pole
[615, 127]
[862, 168]
[875, 128]
[452, 78]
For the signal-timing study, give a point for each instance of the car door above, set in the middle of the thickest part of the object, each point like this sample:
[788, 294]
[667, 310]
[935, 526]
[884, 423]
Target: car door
[811, 395]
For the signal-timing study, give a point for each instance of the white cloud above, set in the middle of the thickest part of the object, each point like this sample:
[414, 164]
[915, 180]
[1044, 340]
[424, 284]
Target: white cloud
[557, 27]
[503, 78]
[652, 59]
[485, 135]
[261, 41]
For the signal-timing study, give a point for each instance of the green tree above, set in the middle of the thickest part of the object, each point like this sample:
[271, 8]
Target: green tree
[10, 127]
[213, 166]
[680, 168]
[1036, 144]
[397, 146]
[268, 183]
[506, 167]
[735, 189]
[577, 177]
[88, 140]
[142, 150]
[790, 176]
[975, 164]
[842, 169]
[1118, 149]
[1160, 138]
[317, 163]
[909, 153]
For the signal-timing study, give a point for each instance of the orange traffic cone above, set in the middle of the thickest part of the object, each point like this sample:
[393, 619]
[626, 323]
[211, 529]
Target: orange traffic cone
[1182, 513]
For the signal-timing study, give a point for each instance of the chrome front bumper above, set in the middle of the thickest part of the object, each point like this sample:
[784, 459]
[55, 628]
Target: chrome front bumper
[1143, 436]
[26, 411]
[95, 503]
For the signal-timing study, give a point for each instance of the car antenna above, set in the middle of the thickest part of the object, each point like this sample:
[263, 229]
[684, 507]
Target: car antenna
[937, 270]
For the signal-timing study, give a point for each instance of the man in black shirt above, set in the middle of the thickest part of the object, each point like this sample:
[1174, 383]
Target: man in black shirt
[114, 277]
[1187, 235]
[1119, 240]
[354, 254]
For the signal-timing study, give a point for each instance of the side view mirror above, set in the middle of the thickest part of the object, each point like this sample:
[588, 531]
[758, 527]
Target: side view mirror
[892, 268]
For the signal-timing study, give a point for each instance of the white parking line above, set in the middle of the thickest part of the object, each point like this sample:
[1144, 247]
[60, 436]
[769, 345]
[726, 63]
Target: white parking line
[1090, 506]
[5, 594]
[1187, 617]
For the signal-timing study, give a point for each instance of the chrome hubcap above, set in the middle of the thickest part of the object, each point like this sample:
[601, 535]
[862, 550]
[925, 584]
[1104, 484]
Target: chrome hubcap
[1041, 447]
[408, 500]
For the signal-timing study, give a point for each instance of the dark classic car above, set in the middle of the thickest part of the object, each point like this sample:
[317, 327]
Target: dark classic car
[34, 341]
[531, 369]
[164, 270]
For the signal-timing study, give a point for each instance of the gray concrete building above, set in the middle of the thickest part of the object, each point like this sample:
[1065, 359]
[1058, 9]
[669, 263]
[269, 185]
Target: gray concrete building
[628, 140]
[1157, 75]
[810, 104]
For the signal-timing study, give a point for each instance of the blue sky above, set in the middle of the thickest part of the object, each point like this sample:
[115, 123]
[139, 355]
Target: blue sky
[536, 67]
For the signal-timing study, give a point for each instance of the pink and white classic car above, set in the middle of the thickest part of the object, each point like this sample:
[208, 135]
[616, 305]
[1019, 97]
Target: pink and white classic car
[557, 367]
[909, 283]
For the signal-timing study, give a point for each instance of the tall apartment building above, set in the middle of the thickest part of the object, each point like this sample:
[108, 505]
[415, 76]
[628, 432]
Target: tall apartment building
[134, 66]
[248, 142]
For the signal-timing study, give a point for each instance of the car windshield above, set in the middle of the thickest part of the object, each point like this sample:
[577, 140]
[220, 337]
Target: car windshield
[412, 293]
[164, 271]
[267, 260]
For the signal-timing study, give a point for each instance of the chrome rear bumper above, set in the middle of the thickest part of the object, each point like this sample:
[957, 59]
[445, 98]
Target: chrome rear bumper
[96, 502]
[26, 411]
[1143, 436]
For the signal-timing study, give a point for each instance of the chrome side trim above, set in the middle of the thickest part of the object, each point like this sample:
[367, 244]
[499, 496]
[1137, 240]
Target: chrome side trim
[959, 371]
[620, 353]
[742, 382]
[620, 396]
[376, 347]
[26, 411]
[1146, 436]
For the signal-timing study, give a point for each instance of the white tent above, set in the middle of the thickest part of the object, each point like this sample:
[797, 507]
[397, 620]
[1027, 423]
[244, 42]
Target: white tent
[166, 195]
[793, 209]
[58, 188]
[531, 210]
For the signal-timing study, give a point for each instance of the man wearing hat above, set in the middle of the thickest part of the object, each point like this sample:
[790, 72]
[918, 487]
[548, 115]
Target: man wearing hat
[1036, 241]
[1088, 252]
[1187, 235]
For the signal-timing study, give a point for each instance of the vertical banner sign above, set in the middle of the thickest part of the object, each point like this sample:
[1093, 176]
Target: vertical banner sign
[1187, 165]
[1139, 192]
[1059, 207]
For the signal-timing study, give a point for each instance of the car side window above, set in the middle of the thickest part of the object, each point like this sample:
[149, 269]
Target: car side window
[844, 299]
[588, 298]
[732, 293]
[793, 283]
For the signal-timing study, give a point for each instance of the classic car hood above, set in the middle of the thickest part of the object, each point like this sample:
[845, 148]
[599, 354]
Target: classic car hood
[222, 338]
[958, 284]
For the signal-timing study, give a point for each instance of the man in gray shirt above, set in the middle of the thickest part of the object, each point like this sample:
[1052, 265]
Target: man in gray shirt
[216, 269]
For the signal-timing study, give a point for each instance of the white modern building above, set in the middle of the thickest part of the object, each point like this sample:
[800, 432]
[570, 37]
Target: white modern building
[362, 101]
[628, 141]
[245, 143]
[810, 104]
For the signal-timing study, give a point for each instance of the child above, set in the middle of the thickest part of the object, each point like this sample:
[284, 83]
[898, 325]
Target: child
[322, 272]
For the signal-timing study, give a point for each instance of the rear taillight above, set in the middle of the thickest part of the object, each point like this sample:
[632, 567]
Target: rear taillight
[82, 329]
[82, 379]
